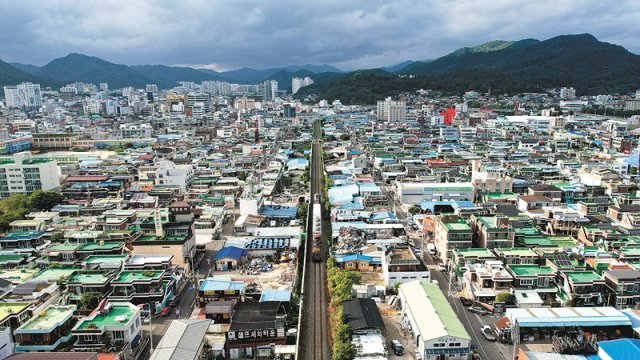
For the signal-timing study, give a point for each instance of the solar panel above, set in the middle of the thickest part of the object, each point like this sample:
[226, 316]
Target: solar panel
[562, 260]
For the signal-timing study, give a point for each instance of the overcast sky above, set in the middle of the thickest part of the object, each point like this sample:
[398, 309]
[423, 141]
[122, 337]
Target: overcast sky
[348, 34]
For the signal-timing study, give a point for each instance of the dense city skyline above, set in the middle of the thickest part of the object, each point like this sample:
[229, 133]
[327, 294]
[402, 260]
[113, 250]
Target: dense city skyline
[248, 33]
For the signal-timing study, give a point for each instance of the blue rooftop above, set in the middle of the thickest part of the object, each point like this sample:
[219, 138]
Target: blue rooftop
[22, 236]
[354, 257]
[382, 215]
[279, 211]
[230, 252]
[217, 284]
[275, 295]
[622, 349]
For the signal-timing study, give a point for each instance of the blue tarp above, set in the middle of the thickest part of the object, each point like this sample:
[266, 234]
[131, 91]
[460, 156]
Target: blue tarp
[230, 252]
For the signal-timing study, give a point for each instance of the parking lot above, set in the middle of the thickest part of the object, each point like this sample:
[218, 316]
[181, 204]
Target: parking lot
[391, 319]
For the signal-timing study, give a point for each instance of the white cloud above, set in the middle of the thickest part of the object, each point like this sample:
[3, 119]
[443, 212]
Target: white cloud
[350, 34]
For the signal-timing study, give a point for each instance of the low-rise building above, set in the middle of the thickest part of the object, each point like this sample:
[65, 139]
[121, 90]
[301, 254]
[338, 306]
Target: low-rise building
[432, 323]
[47, 330]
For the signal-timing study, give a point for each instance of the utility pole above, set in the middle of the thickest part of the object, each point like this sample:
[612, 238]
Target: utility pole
[150, 330]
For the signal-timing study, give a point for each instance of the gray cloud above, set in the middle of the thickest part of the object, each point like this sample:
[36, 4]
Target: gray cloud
[349, 34]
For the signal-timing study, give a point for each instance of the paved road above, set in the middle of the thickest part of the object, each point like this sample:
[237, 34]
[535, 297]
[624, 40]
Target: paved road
[159, 325]
[472, 322]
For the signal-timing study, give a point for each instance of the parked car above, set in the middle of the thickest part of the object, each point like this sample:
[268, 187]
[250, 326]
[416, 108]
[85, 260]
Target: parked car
[165, 311]
[488, 334]
[415, 227]
[435, 282]
[466, 302]
[441, 267]
[477, 310]
[417, 355]
[174, 302]
[397, 347]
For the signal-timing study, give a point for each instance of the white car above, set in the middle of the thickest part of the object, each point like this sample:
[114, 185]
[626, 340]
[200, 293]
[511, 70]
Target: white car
[441, 267]
[435, 282]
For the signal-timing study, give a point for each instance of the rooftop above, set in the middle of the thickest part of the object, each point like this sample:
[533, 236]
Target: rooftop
[8, 309]
[530, 270]
[48, 319]
[583, 276]
[137, 276]
[118, 315]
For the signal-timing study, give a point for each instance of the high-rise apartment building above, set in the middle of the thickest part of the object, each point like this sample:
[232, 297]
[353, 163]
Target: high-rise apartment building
[298, 83]
[23, 174]
[25, 95]
[270, 90]
[567, 93]
[391, 110]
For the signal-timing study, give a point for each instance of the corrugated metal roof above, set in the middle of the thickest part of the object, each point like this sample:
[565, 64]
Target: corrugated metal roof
[182, 340]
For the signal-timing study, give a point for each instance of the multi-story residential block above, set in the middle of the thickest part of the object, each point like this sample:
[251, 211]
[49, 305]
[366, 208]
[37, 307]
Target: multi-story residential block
[391, 110]
[622, 288]
[110, 324]
[482, 282]
[400, 265]
[48, 330]
[169, 174]
[451, 232]
[586, 286]
[492, 231]
[24, 174]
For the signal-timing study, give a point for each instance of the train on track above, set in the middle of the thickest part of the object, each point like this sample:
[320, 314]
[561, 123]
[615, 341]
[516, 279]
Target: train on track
[317, 229]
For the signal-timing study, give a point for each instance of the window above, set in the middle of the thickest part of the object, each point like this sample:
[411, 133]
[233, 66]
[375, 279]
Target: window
[526, 282]
[117, 335]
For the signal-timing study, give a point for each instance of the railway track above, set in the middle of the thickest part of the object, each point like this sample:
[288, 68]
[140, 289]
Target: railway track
[315, 341]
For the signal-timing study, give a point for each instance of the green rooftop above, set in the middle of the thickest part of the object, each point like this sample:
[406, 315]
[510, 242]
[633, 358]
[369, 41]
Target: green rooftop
[474, 252]
[64, 247]
[131, 276]
[107, 245]
[444, 310]
[531, 270]
[119, 315]
[457, 226]
[51, 275]
[49, 319]
[537, 241]
[583, 276]
[89, 278]
[11, 258]
[105, 259]
[8, 309]
[516, 251]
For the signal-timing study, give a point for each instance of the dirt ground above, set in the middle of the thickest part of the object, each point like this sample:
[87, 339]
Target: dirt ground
[391, 319]
[279, 277]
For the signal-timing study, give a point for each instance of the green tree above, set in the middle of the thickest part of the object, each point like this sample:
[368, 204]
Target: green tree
[393, 290]
[415, 209]
[506, 298]
[45, 200]
[13, 208]
[90, 300]
[345, 137]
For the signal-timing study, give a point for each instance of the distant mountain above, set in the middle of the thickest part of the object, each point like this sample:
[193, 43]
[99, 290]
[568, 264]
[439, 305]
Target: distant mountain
[254, 76]
[78, 67]
[486, 47]
[28, 68]
[284, 77]
[11, 75]
[400, 66]
[581, 61]
[168, 76]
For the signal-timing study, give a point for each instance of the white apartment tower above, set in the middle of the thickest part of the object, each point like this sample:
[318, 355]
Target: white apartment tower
[298, 83]
[24, 174]
[567, 93]
[391, 110]
[25, 95]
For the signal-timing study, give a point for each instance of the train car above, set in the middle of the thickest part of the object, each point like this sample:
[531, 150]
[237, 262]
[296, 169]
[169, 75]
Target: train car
[317, 229]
